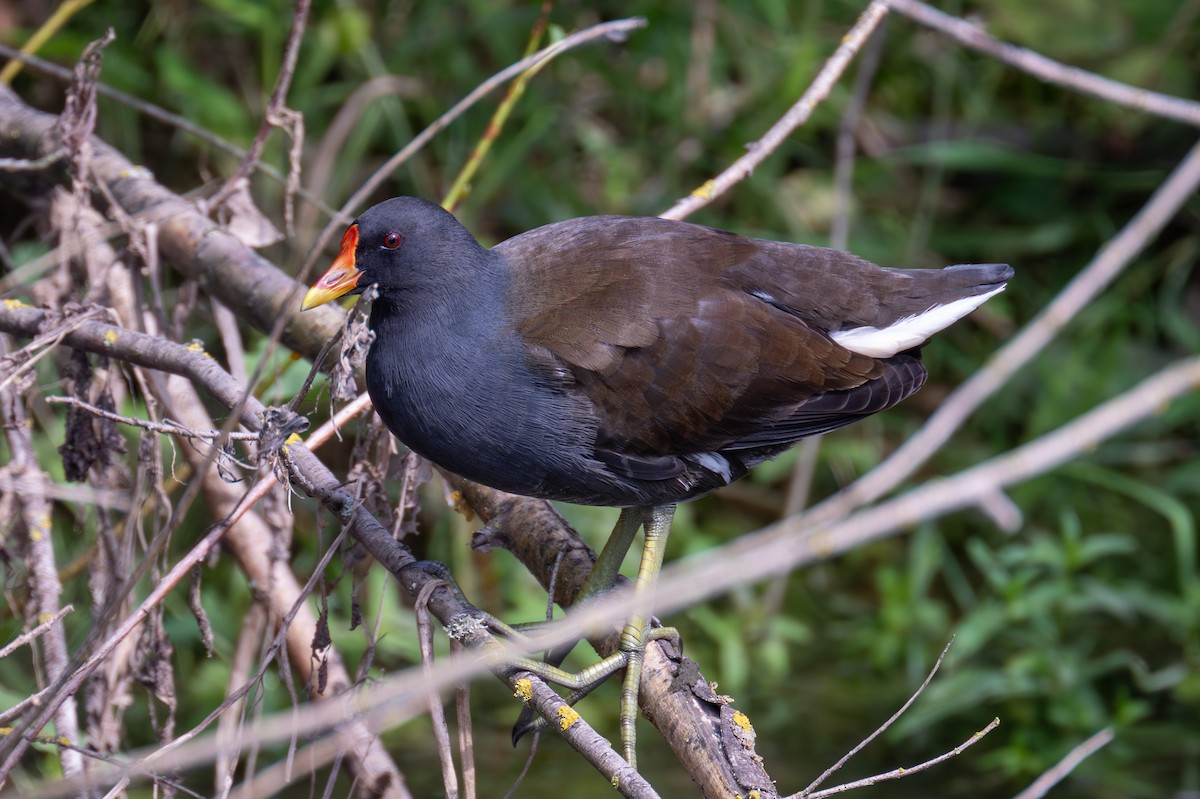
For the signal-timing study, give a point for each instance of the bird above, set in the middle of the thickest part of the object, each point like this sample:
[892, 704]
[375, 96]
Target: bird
[634, 362]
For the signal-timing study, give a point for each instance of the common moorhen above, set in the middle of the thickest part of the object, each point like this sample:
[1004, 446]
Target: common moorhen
[628, 361]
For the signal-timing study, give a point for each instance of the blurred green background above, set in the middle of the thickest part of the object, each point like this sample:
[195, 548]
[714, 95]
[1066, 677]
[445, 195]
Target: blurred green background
[1087, 617]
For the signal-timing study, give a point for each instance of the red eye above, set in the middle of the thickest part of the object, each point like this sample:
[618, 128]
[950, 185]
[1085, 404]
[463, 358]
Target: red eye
[393, 240]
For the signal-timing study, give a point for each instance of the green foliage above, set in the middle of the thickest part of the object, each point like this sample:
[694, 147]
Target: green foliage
[1089, 616]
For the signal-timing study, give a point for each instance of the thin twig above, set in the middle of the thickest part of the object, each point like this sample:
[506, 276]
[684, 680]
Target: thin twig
[437, 715]
[27, 637]
[879, 731]
[607, 30]
[847, 142]
[114, 499]
[275, 105]
[898, 773]
[276, 648]
[48, 341]
[164, 116]
[1047, 69]
[796, 116]
[166, 428]
[462, 712]
[16, 711]
[323, 163]
[1055, 775]
[31, 164]
[231, 725]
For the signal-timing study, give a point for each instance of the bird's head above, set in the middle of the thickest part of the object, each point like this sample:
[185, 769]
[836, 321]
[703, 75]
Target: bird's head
[398, 245]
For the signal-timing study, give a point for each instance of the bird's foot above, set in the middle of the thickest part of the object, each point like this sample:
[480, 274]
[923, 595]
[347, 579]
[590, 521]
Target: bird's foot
[629, 656]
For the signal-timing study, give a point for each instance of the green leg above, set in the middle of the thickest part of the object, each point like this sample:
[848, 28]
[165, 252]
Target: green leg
[633, 637]
[608, 564]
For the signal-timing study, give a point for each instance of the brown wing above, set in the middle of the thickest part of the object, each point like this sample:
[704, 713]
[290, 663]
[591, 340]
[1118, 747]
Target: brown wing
[678, 355]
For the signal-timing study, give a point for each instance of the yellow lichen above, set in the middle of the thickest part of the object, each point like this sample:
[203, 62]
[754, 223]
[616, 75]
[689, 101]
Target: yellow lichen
[458, 502]
[705, 190]
[110, 338]
[13, 305]
[743, 721]
[567, 716]
[294, 438]
[616, 781]
[523, 690]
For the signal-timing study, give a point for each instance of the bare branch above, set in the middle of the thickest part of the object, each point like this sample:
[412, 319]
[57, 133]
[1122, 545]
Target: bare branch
[164, 116]
[257, 292]
[898, 773]
[1041, 786]
[31, 164]
[466, 744]
[793, 542]
[879, 731]
[1047, 69]
[796, 116]
[847, 142]
[31, 635]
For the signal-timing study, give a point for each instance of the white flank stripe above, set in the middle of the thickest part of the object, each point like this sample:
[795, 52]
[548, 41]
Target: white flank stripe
[911, 331]
[714, 463]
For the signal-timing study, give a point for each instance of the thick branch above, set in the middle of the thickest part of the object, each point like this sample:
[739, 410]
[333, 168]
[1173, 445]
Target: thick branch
[253, 288]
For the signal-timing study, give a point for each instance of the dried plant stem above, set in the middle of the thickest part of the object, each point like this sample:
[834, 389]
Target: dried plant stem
[43, 34]
[441, 730]
[462, 181]
[165, 428]
[275, 107]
